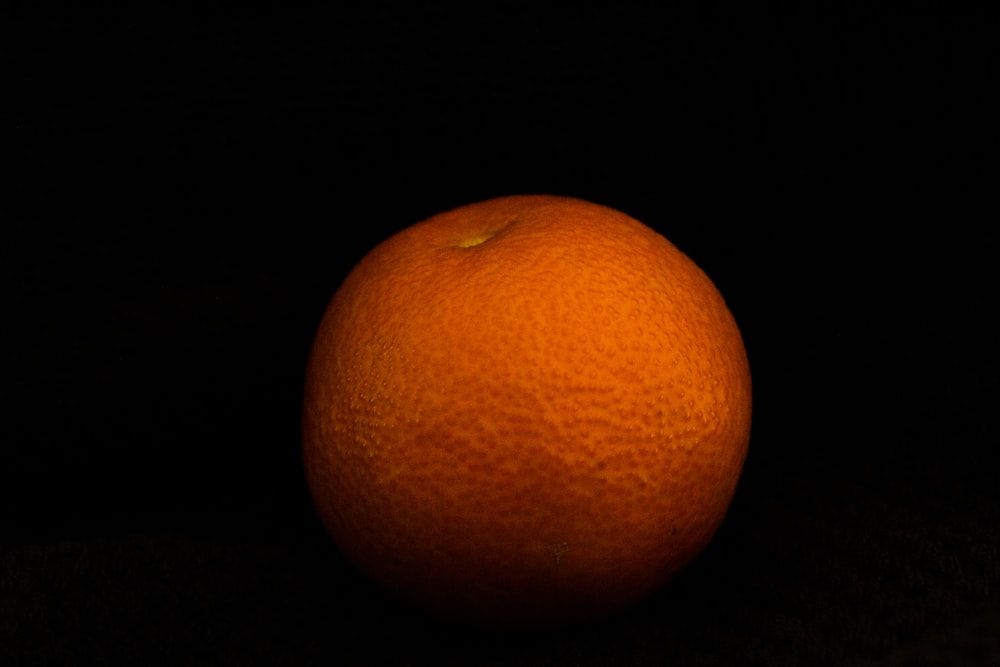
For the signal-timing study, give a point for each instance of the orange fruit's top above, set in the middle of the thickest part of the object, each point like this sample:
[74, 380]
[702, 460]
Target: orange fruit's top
[524, 411]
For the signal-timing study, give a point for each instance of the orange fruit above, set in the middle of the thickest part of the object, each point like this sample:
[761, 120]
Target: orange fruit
[532, 410]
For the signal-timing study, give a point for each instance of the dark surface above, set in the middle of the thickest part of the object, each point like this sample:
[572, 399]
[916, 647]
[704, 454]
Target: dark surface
[189, 188]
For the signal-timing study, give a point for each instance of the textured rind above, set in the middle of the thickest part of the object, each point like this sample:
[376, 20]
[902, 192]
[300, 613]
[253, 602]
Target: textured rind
[539, 427]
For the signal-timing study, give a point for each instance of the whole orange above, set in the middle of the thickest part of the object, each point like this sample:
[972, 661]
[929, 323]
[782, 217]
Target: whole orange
[526, 411]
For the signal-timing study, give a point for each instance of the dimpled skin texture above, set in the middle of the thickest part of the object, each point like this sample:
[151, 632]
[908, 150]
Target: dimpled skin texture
[528, 411]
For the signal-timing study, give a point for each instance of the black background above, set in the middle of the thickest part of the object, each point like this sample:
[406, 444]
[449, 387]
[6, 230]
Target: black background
[187, 188]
